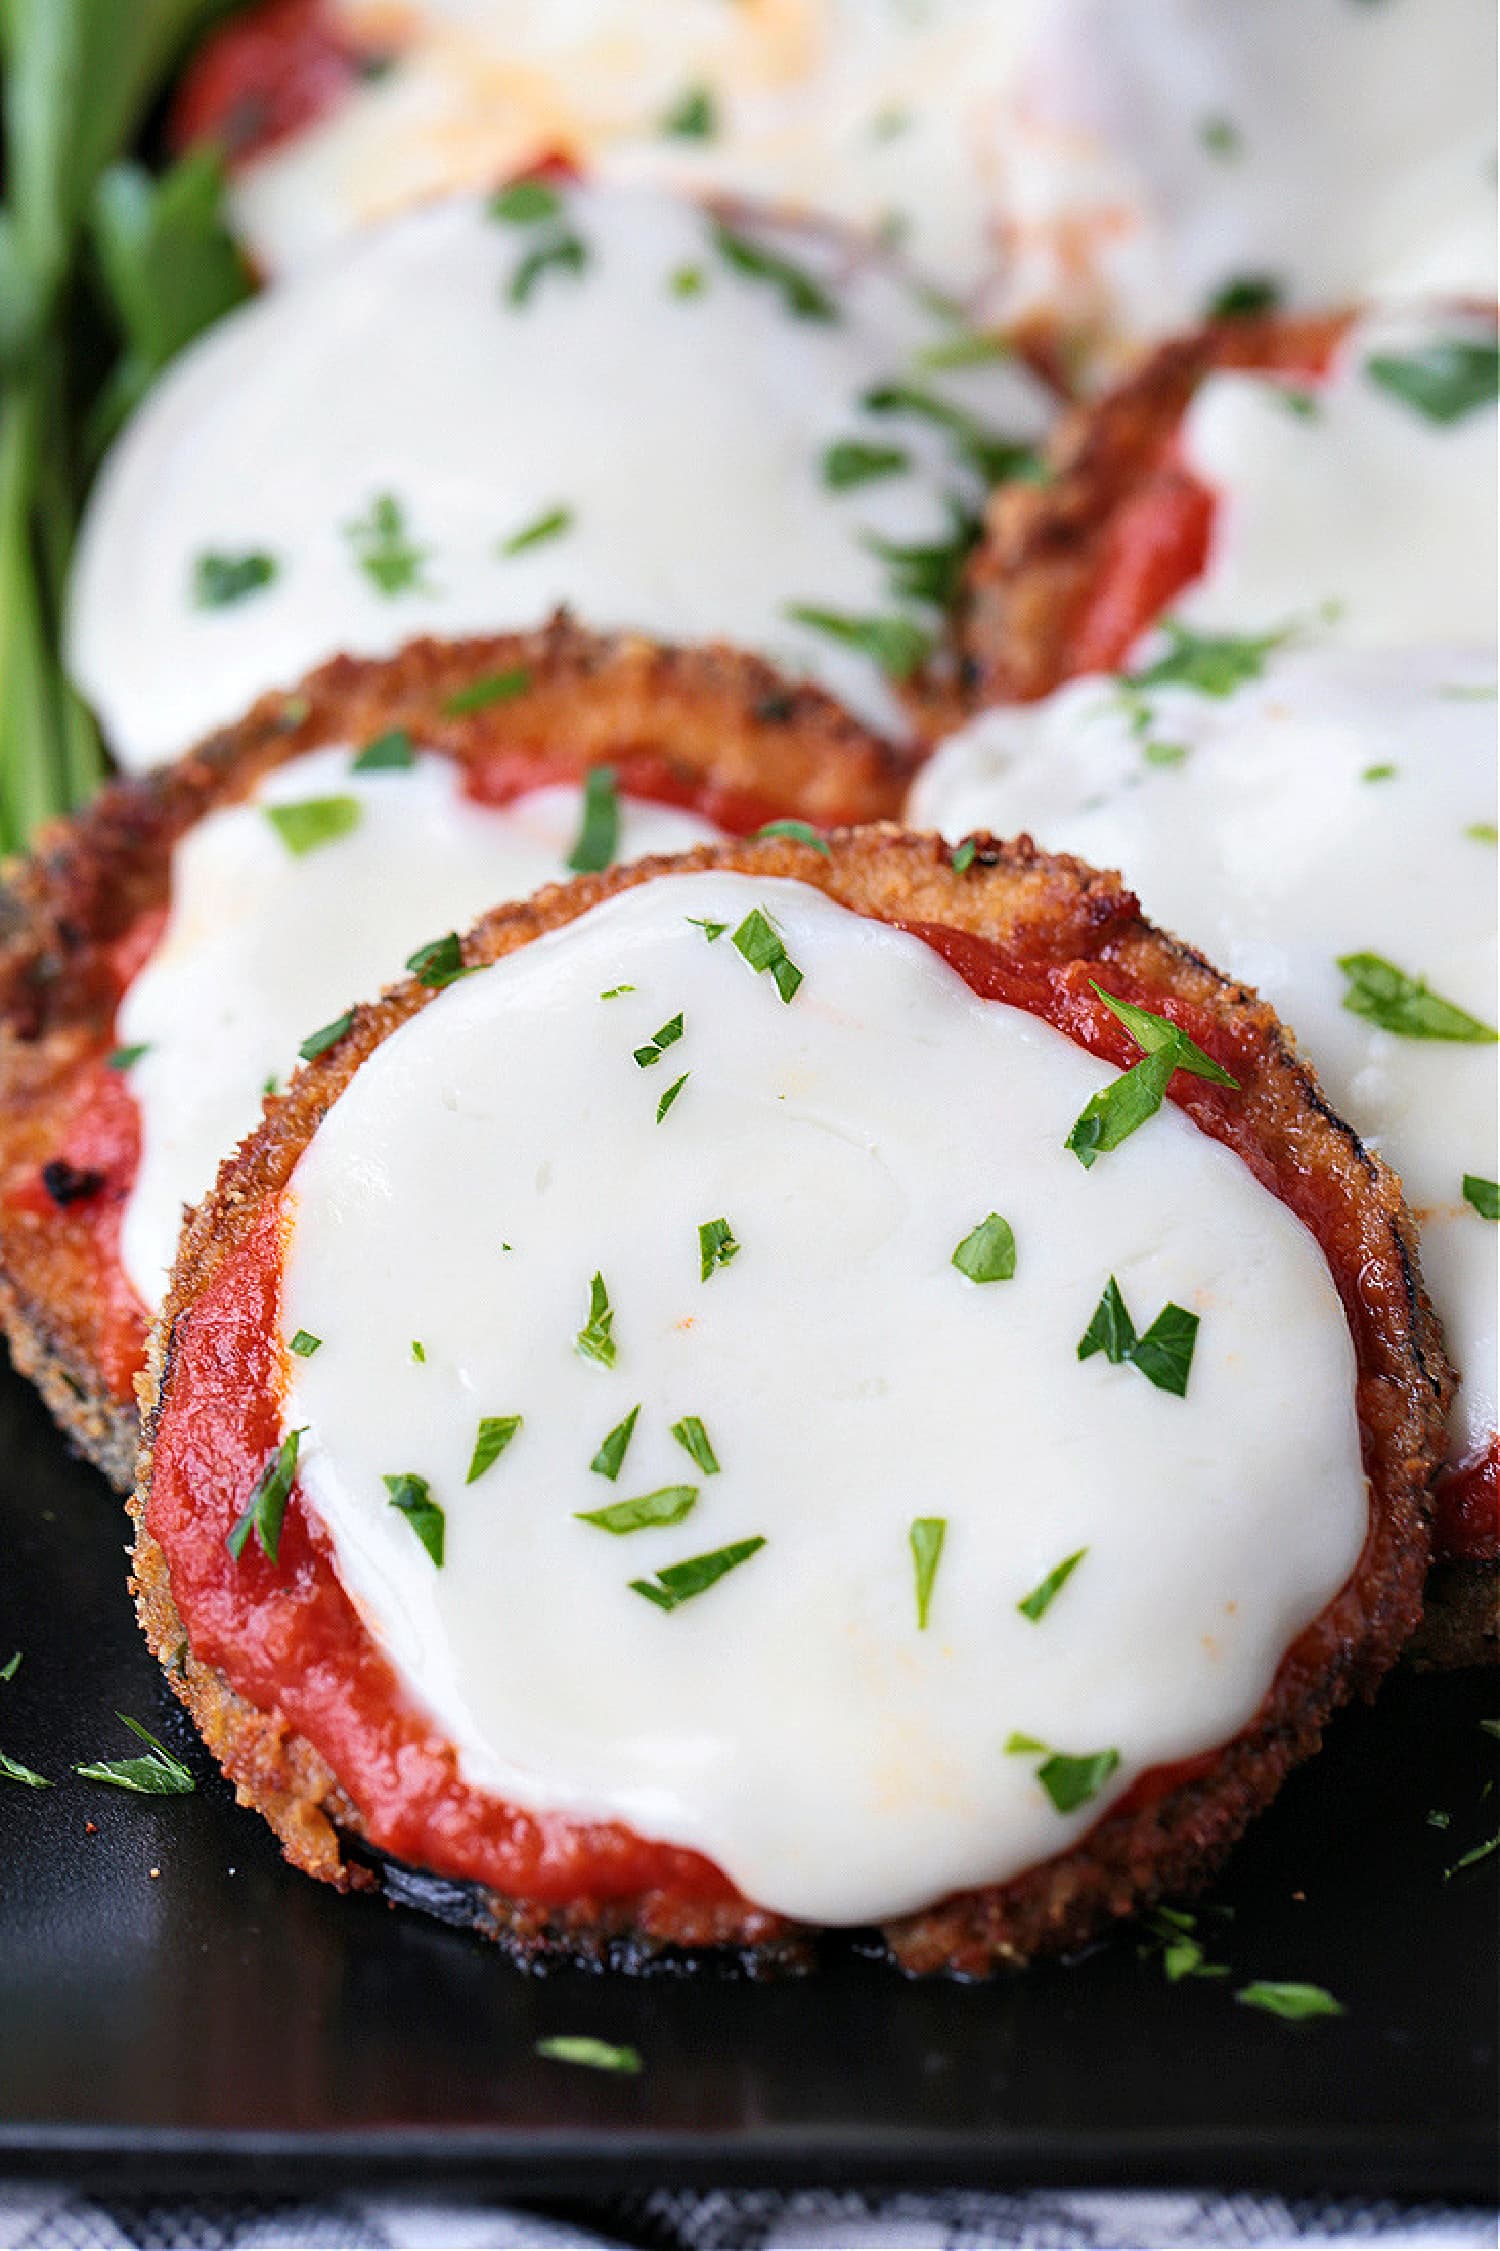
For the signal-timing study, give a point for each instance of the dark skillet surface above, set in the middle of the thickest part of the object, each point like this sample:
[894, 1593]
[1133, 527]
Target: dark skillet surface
[227, 2023]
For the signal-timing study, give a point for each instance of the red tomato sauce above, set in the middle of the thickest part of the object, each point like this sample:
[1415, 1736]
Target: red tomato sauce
[1466, 1522]
[505, 775]
[288, 1638]
[275, 69]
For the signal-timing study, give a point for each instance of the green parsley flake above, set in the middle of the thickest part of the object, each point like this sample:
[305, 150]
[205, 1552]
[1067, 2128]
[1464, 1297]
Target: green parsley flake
[1182, 1955]
[758, 941]
[599, 831]
[716, 1246]
[1482, 832]
[800, 832]
[1295, 2003]
[389, 753]
[611, 1455]
[389, 558]
[305, 1344]
[536, 534]
[1384, 772]
[492, 688]
[419, 1351]
[668, 1505]
[1484, 1195]
[1444, 381]
[412, 1495]
[219, 581]
[314, 821]
[1215, 664]
[994, 458]
[677, 1583]
[694, 118]
[494, 1435]
[615, 992]
[895, 644]
[656, 1047]
[525, 203]
[1164, 1355]
[122, 1058]
[159, 1774]
[11, 1666]
[1069, 1780]
[711, 930]
[665, 1104]
[849, 463]
[1041, 1598]
[687, 281]
[693, 1439]
[11, 1770]
[1221, 137]
[930, 572]
[595, 1340]
[1243, 296]
[1121, 1108]
[439, 963]
[988, 1252]
[926, 1537]
[1304, 405]
[1377, 990]
[1474, 1854]
[265, 1510]
[803, 297]
[963, 856]
[593, 2055]
[563, 253]
[971, 349]
[1164, 753]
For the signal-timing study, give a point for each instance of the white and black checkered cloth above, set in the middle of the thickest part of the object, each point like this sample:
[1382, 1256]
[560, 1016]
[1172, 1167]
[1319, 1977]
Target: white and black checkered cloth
[43, 2219]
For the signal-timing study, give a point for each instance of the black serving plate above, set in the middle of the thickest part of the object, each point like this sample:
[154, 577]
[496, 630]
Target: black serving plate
[178, 2009]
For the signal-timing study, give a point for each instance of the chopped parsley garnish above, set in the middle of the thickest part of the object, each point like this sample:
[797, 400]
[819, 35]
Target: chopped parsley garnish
[988, 1252]
[419, 1352]
[800, 832]
[1377, 990]
[389, 558]
[11, 1770]
[1482, 832]
[611, 1455]
[694, 118]
[412, 1495]
[564, 253]
[1220, 136]
[1041, 1598]
[221, 580]
[265, 1510]
[677, 1583]
[1069, 1781]
[687, 281]
[693, 1439]
[525, 203]
[1213, 663]
[894, 643]
[668, 1505]
[1444, 380]
[963, 856]
[122, 1058]
[656, 1047]
[11, 1667]
[665, 1104]
[599, 831]
[158, 1775]
[389, 753]
[1484, 1195]
[593, 2055]
[926, 1536]
[1182, 1955]
[439, 963]
[970, 349]
[305, 1344]
[595, 1340]
[313, 822]
[1119, 1109]
[711, 930]
[760, 944]
[1474, 1854]
[1384, 772]
[849, 462]
[1296, 2003]
[616, 992]
[889, 123]
[1305, 405]
[536, 534]
[1243, 296]
[803, 297]
[992, 457]
[494, 1435]
[492, 688]
[1164, 1355]
[930, 572]
[716, 1246]
[1164, 753]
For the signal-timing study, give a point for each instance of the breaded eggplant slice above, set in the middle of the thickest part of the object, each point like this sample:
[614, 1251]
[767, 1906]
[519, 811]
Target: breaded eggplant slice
[711, 728]
[1056, 924]
[1070, 572]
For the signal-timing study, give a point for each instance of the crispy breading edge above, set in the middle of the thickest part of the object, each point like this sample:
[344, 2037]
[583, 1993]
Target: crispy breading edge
[1130, 1858]
[715, 714]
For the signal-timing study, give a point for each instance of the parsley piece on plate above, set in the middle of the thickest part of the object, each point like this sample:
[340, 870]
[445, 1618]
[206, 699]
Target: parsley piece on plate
[994, 458]
[552, 525]
[1182, 1954]
[677, 1583]
[412, 1495]
[593, 2055]
[716, 1246]
[564, 253]
[988, 1252]
[1041, 1598]
[1484, 1195]
[1221, 137]
[929, 571]
[656, 1047]
[11, 1667]
[525, 202]
[314, 821]
[595, 1340]
[1243, 296]
[11, 1770]
[611, 1455]
[160, 1774]
[1377, 990]
[693, 1438]
[694, 118]
[668, 1505]
[390, 753]
[926, 1537]
[305, 1344]
[1475, 1853]
[383, 549]
[665, 1104]
[1444, 381]
[491, 688]
[898, 646]
[615, 992]
[219, 581]
[1213, 663]
[711, 930]
[1290, 2001]
[494, 1435]
[1164, 1355]
[265, 1511]
[803, 297]
[1069, 1780]
[599, 831]
[758, 942]
[850, 462]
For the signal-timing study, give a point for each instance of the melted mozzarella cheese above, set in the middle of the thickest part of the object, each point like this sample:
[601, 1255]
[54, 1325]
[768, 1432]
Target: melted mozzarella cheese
[1343, 803]
[263, 946]
[673, 442]
[792, 1722]
[1349, 504]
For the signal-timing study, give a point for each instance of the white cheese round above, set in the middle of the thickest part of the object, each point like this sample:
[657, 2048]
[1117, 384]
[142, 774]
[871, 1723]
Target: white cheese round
[792, 1721]
[263, 946]
[1343, 803]
[386, 429]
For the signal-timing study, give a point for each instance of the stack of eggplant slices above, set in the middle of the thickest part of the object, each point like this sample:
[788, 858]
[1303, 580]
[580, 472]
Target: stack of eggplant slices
[763, 1125]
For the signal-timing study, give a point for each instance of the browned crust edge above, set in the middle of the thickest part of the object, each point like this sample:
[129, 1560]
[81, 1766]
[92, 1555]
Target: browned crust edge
[714, 714]
[1072, 913]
